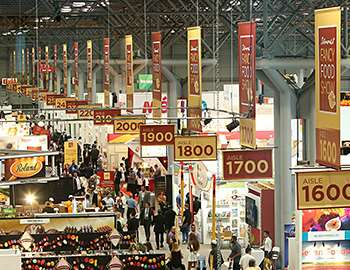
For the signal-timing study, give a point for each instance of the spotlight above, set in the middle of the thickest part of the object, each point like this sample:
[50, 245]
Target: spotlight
[233, 125]
[30, 198]
[207, 121]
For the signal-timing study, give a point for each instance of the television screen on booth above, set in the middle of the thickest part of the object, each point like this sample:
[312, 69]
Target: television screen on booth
[251, 212]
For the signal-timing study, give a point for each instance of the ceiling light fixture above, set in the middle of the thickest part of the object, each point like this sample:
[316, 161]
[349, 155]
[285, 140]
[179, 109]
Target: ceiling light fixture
[66, 9]
[233, 125]
[78, 4]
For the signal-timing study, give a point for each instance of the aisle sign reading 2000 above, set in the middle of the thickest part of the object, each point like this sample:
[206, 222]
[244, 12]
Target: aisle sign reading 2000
[157, 134]
[247, 164]
[323, 189]
[191, 148]
[128, 124]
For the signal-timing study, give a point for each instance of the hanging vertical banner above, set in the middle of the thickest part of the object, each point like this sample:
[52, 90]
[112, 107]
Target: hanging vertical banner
[106, 71]
[38, 66]
[46, 73]
[129, 73]
[247, 82]
[194, 69]
[14, 64]
[33, 68]
[27, 66]
[54, 74]
[75, 79]
[65, 70]
[23, 66]
[157, 73]
[327, 65]
[89, 69]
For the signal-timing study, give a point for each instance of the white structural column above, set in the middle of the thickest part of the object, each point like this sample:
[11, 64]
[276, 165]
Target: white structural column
[82, 80]
[69, 81]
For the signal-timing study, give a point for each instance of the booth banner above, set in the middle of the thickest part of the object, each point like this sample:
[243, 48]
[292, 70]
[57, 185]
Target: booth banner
[157, 73]
[73, 104]
[247, 82]
[51, 99]
[46, 74]
[195, 148]
[106, 179]
[54, 74]
[87, 111]
[75, 79]
[323, 189]
[70, 152]
[65, 69]
[20, 168]
[129, 73]
[327, 81]
[247, 164]
[105, 117]
[33, 142]
[157, 134]
[33, 67]
[89, 69]
[194, 70]
[23, 67]
[327, 255]
[106, 72]
[128, 124]
[27, 66]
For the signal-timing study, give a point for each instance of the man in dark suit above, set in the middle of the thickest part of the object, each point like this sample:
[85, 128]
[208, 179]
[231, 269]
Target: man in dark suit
[146, 220]
[133, 223]
[144, 197]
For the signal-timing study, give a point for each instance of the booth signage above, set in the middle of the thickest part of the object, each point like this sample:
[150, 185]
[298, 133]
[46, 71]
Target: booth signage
[73, 104]
[127, 124]
[7, 81]
[193, 148]
[247, 82]
[23, 167]
[86, 111]
[323, 189]
[247, 164]
[327, 93]
[194, 70]
[105, 117]
[157, 72]
[70, 152]
[129, 73]
[157, 134]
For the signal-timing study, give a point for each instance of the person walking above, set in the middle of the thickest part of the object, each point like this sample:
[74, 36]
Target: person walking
[95, 153]
[146, 220]
[214, 255]
[133, 224]
[144, 197]
[175, 261]
[267, 247]
[246, 258]
[235, 254]
[171, 237]
[131, 203]
[119, 177]
[193, 246]
[185, 227]
[159, 229]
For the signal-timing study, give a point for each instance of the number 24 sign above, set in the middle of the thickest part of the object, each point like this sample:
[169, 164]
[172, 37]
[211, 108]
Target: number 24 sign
[247, 164]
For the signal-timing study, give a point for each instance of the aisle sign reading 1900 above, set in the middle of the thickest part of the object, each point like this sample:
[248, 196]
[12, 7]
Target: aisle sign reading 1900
[191, 148]
[128, 124]
[327, 83]
[157, 134]
[247, 164]
[323, 189]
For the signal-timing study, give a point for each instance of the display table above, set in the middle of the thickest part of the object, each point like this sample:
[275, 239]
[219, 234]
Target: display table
[10, 259]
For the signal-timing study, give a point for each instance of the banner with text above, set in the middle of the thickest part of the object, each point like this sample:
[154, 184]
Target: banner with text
[75, 79]
[157, 73]
[65, 69]
[247, 82]
[195, 148]
[46, 74]
[106, 72]
[27, 66]
[327, 81]
[34, 79]
[70, 152]
[129, 73]
[89, 69]
[54, 74]
[194, 70]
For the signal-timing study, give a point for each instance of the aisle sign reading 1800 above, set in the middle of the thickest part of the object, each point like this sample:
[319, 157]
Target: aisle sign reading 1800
[157, 134]
[323, 189]
[189, 148]
[247, 164]
[128, 124]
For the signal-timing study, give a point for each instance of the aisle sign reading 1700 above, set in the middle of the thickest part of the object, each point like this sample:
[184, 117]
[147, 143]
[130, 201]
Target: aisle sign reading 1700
[191, 148]
[157, 134]
[247, 164]
[327, 189]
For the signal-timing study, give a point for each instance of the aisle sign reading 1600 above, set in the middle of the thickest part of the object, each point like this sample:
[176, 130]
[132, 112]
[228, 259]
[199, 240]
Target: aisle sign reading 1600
[157, 134]
[327, 189]
[190, 148]
[127, 124]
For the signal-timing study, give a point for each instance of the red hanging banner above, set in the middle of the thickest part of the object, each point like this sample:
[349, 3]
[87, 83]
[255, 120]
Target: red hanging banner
[54, 75]
[39, 65]
[34, 82]
[75, 79]
[129, 73]
[89, 69]
[65, 69]
[157, 73]
[247, 82]
[106, 71]
[27, 66]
